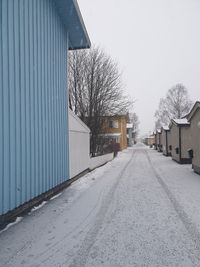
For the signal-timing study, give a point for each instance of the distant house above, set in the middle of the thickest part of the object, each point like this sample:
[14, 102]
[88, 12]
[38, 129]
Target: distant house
[158, 140]
[150, 140]
[34, 136]
[115, 129]
[194, 150]
[164, 140]
[180, 140]
[129, 127]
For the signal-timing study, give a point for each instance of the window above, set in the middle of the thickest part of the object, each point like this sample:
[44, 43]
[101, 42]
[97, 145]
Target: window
[113, 124]
[177, 150]
[190, 152]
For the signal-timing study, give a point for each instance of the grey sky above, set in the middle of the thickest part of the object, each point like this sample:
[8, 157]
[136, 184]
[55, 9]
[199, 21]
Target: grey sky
[155, 42]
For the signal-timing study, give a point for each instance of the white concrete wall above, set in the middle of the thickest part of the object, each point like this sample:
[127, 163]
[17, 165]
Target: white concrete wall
[79, 145]
[79, 148]
[98, 161]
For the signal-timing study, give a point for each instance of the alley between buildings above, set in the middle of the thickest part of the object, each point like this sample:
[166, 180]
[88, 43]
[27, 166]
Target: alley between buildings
[141, 209]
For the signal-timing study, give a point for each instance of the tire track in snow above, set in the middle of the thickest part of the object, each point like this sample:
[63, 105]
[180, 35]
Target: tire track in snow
[82, 255]
[189, 225]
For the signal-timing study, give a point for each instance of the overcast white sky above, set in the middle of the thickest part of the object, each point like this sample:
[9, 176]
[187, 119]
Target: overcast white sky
[155, 42]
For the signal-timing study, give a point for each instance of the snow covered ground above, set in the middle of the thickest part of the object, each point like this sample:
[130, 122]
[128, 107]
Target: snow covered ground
[141, 209]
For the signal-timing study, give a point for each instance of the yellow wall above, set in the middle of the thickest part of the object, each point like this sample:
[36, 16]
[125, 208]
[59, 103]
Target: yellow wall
[122, 121]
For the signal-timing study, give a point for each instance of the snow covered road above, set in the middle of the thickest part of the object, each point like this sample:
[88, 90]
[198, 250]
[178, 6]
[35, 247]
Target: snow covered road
[141, 209]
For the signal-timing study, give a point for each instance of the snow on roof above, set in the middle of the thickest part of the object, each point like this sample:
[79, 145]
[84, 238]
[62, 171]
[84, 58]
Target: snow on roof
[166, 128]
[193, 110]
[159, 130]
[111, 134]
[181, 121]
[129, 125]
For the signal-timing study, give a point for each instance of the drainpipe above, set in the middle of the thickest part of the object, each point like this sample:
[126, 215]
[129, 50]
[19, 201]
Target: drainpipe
[179, 143]
[159, 143]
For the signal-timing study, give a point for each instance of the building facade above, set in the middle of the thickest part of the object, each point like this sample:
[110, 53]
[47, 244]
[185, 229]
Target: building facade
[158, 140]
[180, 140]
[194, 119]
[35, 36]
[115, 128]
[164, 140]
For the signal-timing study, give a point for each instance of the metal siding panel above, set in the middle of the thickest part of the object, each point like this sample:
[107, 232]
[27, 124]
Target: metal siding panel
[65, 114]
[37, 80]
[33, 119]
[52, 104]
[27, 99]
[61, 116]
[31, 100]
[50, 97]
[23, 104]
[6, 104]
[58, 105]
[66, 117]
[42, 98]
[1, 116]
[17, 103]
[41, 61]
[46, 99]
[12, 105]
[53, 100]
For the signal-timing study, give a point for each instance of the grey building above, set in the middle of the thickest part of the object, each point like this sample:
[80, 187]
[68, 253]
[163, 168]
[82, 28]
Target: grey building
[158, 144]
[164, 140]
[194, 119]
[180, 140]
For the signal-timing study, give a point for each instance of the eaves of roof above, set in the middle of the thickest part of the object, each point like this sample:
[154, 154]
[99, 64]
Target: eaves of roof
[193, 110]
[72, 19]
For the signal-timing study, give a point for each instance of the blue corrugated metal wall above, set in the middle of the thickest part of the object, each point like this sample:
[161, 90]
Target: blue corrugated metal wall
[33, 101]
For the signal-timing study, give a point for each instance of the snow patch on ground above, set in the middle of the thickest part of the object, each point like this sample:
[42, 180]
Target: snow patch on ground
[141, 209]
[37, 207]
[18, 219]
[56, 196]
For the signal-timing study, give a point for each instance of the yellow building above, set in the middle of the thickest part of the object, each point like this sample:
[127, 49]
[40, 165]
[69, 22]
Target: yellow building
[115, 128]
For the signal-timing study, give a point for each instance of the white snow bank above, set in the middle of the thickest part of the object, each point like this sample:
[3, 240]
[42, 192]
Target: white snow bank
[18, 219]
[98, 161]
[56, 196]
[37, 207]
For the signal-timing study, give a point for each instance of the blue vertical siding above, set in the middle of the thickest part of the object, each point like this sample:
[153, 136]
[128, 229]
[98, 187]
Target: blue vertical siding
[1, 117]
[33, 101]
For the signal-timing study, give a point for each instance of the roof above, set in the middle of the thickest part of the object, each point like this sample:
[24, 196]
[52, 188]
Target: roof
[193, 110]
[78, 121]
[183, 121]
[179, 122]
[72, 19]
[158, 130]
[165, 127]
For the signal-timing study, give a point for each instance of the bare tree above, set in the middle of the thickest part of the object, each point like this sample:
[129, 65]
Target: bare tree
[134, 119]
[95, 89]
[175, 105]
